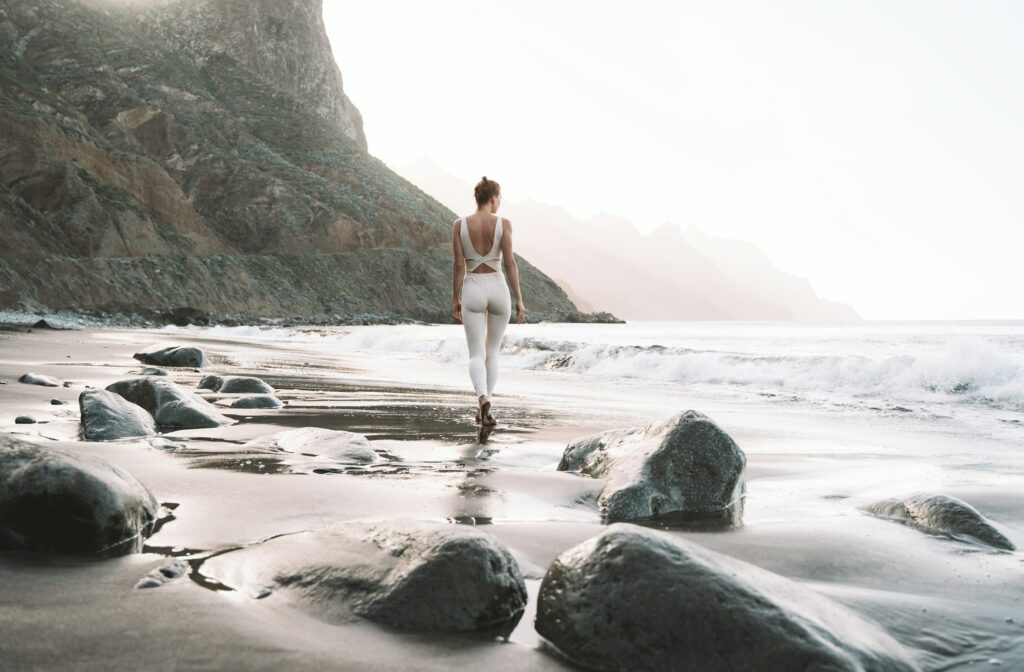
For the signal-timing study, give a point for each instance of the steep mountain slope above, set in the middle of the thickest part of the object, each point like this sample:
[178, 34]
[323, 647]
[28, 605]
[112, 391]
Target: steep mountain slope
[203, 153]
[605, 263]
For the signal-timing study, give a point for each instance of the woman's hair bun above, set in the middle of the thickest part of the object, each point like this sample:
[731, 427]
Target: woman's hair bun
[485, 190]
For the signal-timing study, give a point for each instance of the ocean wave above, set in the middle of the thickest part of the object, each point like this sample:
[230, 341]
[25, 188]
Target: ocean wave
[962, 369]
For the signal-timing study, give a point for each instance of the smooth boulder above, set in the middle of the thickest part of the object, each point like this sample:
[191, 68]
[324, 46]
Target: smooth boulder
[941, 514]
[234, 385]
[257, 401]
[406, 574]
[336, 444]
[152, 371]
[173, 355]
[39, 379]
[107, 416]
[57, 501]
[685, 464]
[172, 406]
[632, 598]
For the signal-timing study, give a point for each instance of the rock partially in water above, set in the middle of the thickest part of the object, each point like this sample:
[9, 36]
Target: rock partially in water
[172, 569]
[24, 420]
[57, 402]
[173, 355]
[405, 574]
[941, 514]
[337, 444]
[172, 406]
[152, 371]
[683, 464]
[62, 502]
[234, 385]
[39, 379]
[107, 417]
[632, 598]
[257, 401]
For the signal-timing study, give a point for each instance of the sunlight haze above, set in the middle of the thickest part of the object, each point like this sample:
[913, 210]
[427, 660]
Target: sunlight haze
[874, 148]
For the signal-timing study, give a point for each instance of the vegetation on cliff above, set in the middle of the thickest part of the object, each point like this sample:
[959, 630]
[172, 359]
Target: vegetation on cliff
[163, 155]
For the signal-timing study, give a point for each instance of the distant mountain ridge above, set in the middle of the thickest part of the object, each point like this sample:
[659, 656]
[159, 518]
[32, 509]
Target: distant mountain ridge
[667, 274]
[202, 153]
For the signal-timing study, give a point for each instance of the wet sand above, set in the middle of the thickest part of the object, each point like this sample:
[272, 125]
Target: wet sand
[956, 606]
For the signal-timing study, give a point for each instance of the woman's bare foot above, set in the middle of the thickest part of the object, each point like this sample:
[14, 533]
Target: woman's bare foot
[479, 409]
[485, 412]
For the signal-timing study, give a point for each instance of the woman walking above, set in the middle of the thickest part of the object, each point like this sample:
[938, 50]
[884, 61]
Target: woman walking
[480, 298]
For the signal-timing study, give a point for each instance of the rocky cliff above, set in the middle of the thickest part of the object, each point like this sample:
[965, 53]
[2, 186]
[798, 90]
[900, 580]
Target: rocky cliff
[203, 153]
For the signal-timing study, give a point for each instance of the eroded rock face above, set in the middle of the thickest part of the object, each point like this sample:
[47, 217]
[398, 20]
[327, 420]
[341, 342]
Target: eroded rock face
[942, 514]
[39, 379]
[162, 159]
[683, 464]
[172, 406]
[337, 444]
[234, 385]
[173, 355]
[107, 416]
[56, 501]
[405, 574]
[282, 40]
[632, 598]
[257, 401]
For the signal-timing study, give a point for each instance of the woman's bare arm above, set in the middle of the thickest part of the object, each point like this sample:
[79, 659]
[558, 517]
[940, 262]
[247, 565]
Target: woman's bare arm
[508, 261]
[458, 272]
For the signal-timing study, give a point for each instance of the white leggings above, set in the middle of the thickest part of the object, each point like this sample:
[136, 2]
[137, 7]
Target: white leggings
[485, 300]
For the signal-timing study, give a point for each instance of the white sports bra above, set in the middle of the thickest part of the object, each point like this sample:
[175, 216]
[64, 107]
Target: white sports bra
[473, 259]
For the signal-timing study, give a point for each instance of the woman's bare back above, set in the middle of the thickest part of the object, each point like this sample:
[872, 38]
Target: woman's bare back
[481, 230]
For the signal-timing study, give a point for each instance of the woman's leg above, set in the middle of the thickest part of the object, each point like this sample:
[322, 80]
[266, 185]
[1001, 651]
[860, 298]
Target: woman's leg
[499, 310]
[474, 303]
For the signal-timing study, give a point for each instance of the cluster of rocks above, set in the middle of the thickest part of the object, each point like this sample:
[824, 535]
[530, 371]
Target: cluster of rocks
[628, 598]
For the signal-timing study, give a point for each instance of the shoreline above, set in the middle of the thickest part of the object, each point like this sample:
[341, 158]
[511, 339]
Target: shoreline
[806, 471]
[152, 318]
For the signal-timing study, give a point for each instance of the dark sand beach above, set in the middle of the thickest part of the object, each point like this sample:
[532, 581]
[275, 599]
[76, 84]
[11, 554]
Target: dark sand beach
[951, 604]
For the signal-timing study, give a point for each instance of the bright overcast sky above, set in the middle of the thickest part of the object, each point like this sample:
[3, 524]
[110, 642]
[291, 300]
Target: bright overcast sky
[875, 148]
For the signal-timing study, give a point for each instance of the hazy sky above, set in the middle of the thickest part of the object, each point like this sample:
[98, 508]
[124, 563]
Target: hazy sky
[875, 148]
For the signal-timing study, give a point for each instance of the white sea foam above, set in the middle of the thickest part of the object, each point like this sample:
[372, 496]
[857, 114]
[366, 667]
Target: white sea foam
[898, 366]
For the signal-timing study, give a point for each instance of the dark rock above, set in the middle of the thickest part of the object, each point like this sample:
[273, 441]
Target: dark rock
[24, 420]
[234, 385]
[413, 575]
[57, 402]
[941, 514]
[171, 405]
[173, 355]
[257, 401]
[632, 598]
[183, 317]
[39, 379]
[684, 464]
[152, 371]
[42, 324]
[337, 444]
[171, 570]
[107, 416]
[57, 501]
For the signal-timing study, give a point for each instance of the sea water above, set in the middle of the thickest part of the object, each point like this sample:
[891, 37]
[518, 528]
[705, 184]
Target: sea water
[967, 375]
